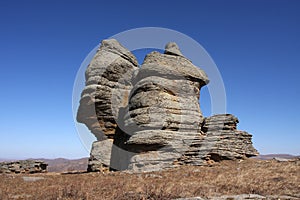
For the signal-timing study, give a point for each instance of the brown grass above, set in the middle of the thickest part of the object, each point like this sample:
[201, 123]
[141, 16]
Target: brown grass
[226, 178]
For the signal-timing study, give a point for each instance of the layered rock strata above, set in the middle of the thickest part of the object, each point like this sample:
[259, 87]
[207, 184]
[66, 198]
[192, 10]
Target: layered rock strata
[164, 116]
[223, 141]
[108, 83]
[149, 119]
[23, 166]
[108, 78]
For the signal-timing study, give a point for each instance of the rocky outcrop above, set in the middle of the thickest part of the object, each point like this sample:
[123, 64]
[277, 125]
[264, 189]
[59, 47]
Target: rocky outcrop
[223, 141]
[220, 122]
[165, 95]
[108, 83]
[149, 119]
[23, 166]
[164, 116]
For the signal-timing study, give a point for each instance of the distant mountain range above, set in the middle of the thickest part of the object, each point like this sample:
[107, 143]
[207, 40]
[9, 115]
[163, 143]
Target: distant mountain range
[271, 156]
[67, 165]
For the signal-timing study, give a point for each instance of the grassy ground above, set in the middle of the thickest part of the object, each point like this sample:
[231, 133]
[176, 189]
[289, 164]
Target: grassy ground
[225, 178]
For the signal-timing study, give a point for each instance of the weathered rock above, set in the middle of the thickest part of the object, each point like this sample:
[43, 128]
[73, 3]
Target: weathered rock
[239, 197]
[107, 88]
[23, 166]
[220, 122]
[223, 141]
[149, 119]
[108, 83]
[166, 94]
[32, 178]
[242, 197]
[159, 149]
[99, 160]
[164, 117]
[172, 49]
[191, 198]
[171, 67]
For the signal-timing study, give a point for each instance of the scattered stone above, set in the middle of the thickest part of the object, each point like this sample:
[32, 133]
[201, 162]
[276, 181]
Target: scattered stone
[191, 198]
[282, 197]
[20, 196]
[282, 159]
[242, 197]
[239, 197]
[32, 178]
[23, 166]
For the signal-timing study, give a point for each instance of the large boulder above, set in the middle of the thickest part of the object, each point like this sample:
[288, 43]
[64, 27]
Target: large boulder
[100, 156]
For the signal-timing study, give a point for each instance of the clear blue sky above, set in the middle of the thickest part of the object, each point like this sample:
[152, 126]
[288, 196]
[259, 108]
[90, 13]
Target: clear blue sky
[255, 45]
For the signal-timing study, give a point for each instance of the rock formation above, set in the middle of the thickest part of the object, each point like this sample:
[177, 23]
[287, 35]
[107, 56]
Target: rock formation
[108, 83]
[107, 88]
[149, 118]
[164, 116]
[23, 166]
[223, 141]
